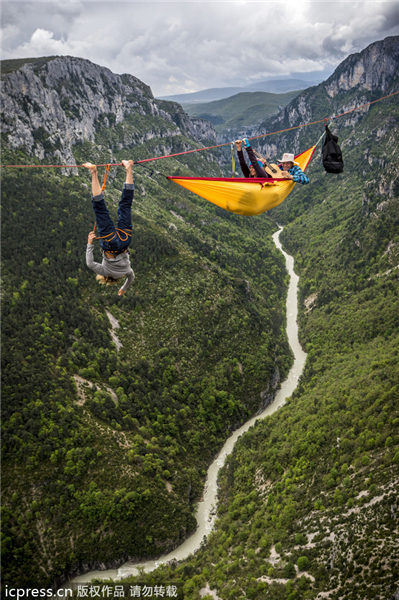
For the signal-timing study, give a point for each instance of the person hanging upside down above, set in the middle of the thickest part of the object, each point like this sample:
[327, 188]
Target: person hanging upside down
[114, 241]
[255, 169]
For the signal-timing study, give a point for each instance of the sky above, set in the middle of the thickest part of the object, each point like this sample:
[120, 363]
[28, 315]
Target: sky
[186, 46]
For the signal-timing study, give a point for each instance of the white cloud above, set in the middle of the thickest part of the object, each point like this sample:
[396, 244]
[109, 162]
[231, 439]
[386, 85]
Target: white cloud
[42, 42]
[185, 46]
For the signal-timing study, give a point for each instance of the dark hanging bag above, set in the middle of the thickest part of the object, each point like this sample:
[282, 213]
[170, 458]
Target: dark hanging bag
[332, 155]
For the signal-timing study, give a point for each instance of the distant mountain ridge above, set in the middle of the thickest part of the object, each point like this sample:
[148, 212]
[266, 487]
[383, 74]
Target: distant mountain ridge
[276, 86]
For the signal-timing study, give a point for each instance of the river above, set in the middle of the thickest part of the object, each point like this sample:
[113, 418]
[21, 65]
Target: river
[206, 510]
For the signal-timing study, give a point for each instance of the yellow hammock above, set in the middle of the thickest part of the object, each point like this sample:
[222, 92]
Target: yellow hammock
[244, 196]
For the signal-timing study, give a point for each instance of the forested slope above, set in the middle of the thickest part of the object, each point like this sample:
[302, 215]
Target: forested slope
[93, 475]
[230, 115]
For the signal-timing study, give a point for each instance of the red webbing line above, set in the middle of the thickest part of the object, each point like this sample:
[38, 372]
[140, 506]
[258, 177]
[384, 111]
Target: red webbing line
[264, 134]
[60, 166]
[324, 120]
[216, 146]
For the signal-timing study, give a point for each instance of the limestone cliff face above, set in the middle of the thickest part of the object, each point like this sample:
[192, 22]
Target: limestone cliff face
[50, 106]
[372, 69]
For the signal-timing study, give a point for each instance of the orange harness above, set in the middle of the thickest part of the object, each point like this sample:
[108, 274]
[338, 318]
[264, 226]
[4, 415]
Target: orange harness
[113, 253]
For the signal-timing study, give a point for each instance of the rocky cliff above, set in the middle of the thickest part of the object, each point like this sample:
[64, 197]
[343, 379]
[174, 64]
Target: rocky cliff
[51, 105]
[375, 68]
[360, 78]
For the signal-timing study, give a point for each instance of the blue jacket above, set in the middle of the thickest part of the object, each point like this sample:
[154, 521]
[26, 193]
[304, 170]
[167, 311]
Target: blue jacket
[298, 175]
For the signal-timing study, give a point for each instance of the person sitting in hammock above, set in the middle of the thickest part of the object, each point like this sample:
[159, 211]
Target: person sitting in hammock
[291, 169]
[255, 169]
[114, 241]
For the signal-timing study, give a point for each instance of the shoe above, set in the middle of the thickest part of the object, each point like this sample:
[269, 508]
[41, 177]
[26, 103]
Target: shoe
[247, 144]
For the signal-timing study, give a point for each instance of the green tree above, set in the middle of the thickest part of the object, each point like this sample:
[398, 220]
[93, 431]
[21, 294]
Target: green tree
[302, 563]
[289, 570]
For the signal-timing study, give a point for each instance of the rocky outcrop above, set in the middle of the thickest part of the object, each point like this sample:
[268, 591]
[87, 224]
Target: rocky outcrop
[372, 69]
[50, 106]
[268, 395]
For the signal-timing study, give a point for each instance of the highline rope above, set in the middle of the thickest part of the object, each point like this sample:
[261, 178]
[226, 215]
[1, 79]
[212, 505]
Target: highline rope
[137, 162]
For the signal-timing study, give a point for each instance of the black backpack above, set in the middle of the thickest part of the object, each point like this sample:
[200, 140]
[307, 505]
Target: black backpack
[332, 155]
